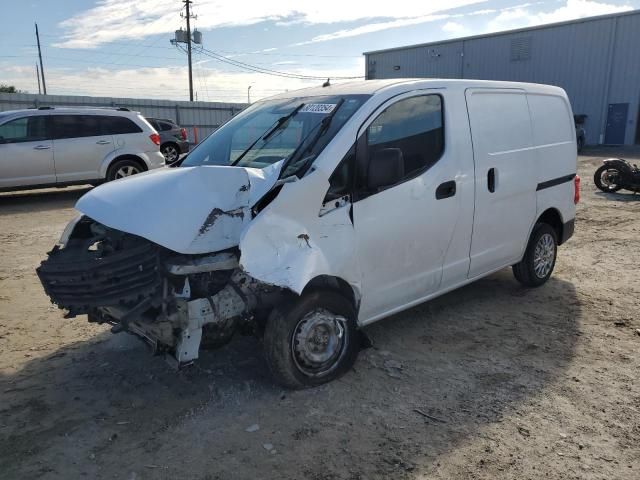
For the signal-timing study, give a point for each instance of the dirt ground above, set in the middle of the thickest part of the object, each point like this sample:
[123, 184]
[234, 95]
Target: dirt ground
[490, 381]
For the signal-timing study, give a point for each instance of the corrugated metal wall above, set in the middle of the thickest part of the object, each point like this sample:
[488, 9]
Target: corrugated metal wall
[597, 61]
[204, 116]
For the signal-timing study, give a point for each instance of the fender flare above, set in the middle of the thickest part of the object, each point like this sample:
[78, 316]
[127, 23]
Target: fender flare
[623, 165]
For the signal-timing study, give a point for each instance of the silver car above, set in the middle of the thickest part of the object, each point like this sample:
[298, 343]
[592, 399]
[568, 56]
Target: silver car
[65, 146]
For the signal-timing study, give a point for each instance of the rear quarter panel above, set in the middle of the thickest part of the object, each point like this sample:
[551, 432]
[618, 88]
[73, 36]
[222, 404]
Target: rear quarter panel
[555, 142]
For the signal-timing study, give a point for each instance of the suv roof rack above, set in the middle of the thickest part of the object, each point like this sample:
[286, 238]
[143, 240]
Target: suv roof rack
[48, 107]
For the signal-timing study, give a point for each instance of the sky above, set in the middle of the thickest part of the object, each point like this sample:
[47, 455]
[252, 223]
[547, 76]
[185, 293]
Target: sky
[122, 48]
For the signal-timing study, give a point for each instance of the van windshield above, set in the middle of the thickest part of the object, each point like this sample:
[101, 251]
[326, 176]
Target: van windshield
[295, 130]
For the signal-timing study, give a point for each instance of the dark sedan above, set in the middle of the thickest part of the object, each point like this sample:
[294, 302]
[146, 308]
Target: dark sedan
[173, 138]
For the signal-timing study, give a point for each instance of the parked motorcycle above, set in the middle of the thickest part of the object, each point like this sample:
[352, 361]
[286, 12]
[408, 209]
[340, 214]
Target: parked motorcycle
[617, 174]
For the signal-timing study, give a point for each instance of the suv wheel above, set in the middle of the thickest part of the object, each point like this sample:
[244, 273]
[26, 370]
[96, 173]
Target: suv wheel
[536, 266]
[312, 340]
[170, 152]
[123, 168]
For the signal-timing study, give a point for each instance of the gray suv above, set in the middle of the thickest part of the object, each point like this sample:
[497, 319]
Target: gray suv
[173, 138]
[49, 146]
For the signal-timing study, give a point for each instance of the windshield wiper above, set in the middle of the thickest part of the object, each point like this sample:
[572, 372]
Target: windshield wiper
[324, 125]
[270, 131]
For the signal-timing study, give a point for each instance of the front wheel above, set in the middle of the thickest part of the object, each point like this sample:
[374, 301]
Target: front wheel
[607, 179]
[539, 259]
[311, 341]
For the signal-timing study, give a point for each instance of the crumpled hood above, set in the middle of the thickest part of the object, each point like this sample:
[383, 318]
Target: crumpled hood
[189, 210]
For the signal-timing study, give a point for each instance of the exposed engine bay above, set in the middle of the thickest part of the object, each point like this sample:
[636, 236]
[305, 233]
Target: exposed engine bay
[172, 301]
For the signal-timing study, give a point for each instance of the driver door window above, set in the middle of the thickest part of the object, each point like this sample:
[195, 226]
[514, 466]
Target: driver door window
[414, 126]
[25, 129]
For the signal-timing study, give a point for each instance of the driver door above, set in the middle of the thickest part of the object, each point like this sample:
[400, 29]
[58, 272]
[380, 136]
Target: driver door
[26, 152]
[403, 230]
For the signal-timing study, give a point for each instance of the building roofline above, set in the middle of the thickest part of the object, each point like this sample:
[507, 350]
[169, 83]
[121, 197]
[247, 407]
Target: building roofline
[507, 32]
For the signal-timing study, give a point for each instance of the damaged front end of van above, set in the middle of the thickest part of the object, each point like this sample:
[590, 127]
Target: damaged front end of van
[107, 267]
[187, 257]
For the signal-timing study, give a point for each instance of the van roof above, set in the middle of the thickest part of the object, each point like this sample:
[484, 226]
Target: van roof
[370, 87]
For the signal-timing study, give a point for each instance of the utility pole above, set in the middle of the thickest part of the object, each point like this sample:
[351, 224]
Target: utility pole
[38, 77]
[44, 85]
[249, 95]
[187, 4]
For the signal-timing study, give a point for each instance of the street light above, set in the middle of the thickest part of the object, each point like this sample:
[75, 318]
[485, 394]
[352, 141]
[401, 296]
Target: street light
[249, 94]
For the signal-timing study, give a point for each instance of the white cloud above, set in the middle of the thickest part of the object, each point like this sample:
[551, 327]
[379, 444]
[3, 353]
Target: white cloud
[450, 27]
[373, 27]
[572, 9]
[113, 20]
[454, 28]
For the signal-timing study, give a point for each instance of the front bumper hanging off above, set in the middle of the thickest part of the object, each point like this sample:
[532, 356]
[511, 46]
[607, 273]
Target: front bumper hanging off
[173, 302]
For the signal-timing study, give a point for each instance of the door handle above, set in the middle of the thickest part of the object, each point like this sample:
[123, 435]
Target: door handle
[103, 142]
[446, 190]
[491, 180]
[42, 147]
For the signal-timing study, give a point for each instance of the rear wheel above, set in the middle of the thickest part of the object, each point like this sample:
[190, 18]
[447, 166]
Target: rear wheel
[123, 168]
[311, 341]
[539, 259]
[607, 179]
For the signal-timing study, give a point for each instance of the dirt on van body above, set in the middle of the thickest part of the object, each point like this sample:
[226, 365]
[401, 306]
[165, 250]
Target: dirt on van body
[490, 381]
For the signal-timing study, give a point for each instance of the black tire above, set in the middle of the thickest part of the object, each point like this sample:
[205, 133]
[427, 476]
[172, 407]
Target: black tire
[285, 326]
[126, 164]
[525, 271]
[597, 179]
[170, 150]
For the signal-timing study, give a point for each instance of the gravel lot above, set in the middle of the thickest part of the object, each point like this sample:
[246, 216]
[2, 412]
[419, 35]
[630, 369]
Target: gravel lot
[490, 381]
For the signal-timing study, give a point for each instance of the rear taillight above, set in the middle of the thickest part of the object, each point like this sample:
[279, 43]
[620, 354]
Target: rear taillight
[183, 134]
[576, 189]
[155, 138]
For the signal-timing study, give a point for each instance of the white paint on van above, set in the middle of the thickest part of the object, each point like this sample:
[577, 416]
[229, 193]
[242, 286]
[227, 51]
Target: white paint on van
[398, 247]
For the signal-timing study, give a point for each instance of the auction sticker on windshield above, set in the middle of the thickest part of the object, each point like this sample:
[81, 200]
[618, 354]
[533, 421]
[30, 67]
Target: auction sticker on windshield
[318, 107]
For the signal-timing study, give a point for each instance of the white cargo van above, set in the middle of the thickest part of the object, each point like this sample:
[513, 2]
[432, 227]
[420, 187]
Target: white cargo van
[317, 212]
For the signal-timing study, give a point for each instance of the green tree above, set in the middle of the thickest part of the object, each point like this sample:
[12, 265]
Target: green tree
[8, 89]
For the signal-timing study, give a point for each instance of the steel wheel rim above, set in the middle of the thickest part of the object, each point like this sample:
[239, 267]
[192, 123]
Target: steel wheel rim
[319, 342]
[544, 255]
[606, 178]
[126, 171]
[170, 154]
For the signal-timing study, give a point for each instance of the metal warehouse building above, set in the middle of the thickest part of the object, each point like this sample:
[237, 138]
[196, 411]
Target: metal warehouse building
[596, 60]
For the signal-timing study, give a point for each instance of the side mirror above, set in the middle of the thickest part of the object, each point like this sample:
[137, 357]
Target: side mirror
[386, 167]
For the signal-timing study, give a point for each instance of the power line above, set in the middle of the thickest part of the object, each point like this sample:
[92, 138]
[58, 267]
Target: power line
[289, 54]
[267, 71]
